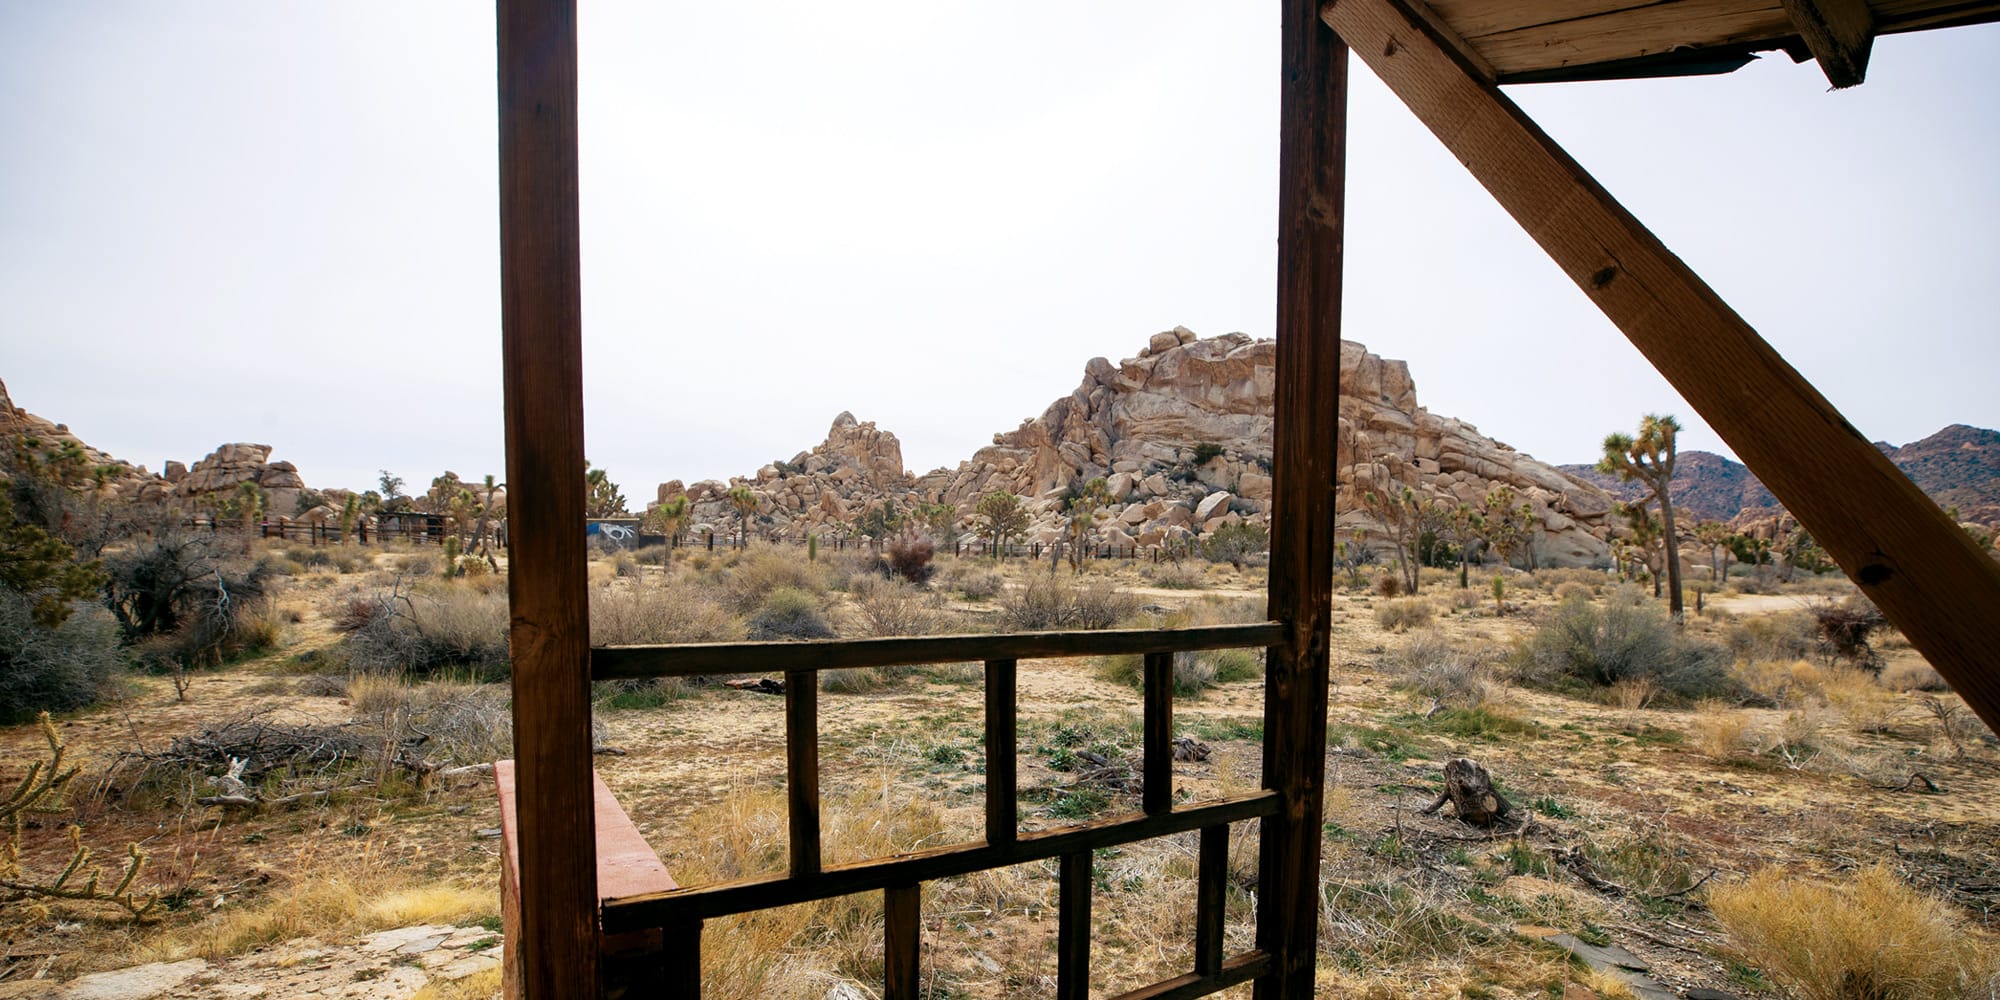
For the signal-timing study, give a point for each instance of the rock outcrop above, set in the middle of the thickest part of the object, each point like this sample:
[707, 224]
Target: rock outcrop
[231, 465]
[1182, 436]
[126, 481]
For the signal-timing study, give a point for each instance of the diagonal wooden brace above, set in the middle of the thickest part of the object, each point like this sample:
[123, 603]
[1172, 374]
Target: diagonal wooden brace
[1926, 575]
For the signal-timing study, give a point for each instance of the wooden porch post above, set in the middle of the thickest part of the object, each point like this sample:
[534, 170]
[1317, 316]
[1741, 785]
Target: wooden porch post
[1312, 149]
[541, 345]
[1928, 578]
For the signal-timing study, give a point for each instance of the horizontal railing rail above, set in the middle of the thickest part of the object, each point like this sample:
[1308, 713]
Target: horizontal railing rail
[699, 659]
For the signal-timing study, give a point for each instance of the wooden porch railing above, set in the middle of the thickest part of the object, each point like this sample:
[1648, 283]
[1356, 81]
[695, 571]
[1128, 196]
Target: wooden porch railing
[679, 914]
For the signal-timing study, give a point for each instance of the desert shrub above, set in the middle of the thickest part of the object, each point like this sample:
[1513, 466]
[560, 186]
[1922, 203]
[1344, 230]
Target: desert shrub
[977, 584]
[1911, 675]
[764, 569]
[909, 557]
[1194, 672]
[415, 565]
[1570, 590]
[429, 630]
[1866, 937]
[1388, 585]
[323, 685]
[1432, 665]
[1170, 576]
[1054, 602]
[851, 680]
[1404, 613]
[1582, 645]
[1720, 732]
[637, 616]
[44, 669]
[1465, 598]
[624, 563]
[200, 604]
[789, 613]
[1843, 631]
[895, 607]
[1236, 543]
[1785, 636]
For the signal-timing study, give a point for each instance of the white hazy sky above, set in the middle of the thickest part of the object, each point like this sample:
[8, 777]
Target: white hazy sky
[276, 221]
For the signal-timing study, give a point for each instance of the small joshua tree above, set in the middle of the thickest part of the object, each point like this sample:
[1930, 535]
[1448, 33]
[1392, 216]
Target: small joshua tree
[745, 503]
[1001, 517]
[1649, 460]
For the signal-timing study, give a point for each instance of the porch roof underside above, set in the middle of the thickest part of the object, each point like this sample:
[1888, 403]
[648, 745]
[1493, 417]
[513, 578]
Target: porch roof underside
[1511, 41]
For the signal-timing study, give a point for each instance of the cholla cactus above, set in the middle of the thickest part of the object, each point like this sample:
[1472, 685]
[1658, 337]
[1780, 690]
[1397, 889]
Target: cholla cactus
[41, 791]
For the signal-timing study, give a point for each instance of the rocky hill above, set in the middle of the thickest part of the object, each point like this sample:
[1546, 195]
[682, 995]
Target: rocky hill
[1958, 466]
[213, 476]
[1182, 434]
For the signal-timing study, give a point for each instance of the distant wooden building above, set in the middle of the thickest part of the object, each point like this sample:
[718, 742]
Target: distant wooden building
[1445, 60]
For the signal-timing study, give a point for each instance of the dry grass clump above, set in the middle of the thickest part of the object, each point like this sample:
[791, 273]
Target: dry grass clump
[1913, 675]
[1434, 666]
[1053, 602]
[894, 607]
[765, 568]
[1404, 613]
[1570, 590]
[976, 583]
[1781, 637]
[789, 613]
[646, 615]
[1720, 732]
[1867, 937]
[1177, 576]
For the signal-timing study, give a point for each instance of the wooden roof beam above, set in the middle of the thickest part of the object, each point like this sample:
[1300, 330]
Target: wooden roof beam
[1839, 33]
[1905, 553]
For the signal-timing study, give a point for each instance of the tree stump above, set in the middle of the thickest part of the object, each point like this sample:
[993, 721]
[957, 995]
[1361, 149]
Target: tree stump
[1470, 791]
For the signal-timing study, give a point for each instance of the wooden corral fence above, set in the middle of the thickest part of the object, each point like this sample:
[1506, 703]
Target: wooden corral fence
[678, 915]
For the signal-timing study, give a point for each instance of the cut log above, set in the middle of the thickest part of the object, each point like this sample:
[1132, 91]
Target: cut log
[1470, 791]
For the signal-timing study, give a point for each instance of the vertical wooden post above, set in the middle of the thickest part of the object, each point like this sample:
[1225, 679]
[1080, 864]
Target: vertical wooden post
[1000, 750]
[1073, 927]
[802, 769]
[1211, 898]
[1312, 147]
[902, 942]
[542, 356]
[1156, 793]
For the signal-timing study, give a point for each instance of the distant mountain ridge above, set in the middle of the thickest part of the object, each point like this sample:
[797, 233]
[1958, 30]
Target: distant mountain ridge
[1958, 466]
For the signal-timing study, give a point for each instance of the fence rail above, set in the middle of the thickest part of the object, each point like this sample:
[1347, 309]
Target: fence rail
[679, 914]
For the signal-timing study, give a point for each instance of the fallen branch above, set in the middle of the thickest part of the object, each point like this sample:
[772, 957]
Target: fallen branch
[1916, 777]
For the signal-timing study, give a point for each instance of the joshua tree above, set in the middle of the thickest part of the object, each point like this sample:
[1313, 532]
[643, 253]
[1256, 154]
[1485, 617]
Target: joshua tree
[1507, 527]
[1082, 504]
[745, 503]
[1400, 514]
[670, 518]
[487, 489]
[601, 496]
[1649, 460]
[1001, 517]
[1715, 535]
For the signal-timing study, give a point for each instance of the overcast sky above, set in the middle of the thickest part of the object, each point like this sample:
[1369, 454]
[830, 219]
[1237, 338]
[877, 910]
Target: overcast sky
[276, 222]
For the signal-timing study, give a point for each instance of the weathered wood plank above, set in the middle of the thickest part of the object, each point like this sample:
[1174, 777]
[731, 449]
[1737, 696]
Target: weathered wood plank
[1904, 552]
[1156, 794]
[682, 962]
[1626, 34]
[802, 770]
[703, 902]
[542, 374]
[1312, 169]
[696, 659]
[902, 939]
[1002, 747]
[1238, 969]
[1211, 898]
[1073, 928]
[1839, 33]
